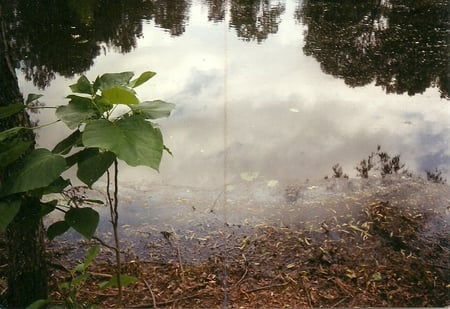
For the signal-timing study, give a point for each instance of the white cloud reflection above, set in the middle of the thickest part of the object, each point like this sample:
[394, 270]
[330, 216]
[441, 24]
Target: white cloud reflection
[285, 119]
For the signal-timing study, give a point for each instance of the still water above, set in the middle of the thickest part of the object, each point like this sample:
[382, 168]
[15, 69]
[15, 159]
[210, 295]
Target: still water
[267, 92]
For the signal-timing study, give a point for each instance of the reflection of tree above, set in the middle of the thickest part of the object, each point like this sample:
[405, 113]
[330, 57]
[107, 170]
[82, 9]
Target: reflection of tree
[255, 19]
[216, 10]
[64, 37]
[171, 15]
[401, 45]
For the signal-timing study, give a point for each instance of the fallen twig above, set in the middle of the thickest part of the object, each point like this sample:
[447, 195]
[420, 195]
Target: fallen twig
[151, 292]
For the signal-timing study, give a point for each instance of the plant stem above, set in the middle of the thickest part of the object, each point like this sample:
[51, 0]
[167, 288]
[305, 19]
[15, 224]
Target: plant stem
[116, 235]
[113, 211]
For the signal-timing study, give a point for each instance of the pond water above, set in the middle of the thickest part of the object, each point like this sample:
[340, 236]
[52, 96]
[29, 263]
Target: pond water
[266, 92]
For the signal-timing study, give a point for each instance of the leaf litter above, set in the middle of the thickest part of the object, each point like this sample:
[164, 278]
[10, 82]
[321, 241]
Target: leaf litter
[380, 243]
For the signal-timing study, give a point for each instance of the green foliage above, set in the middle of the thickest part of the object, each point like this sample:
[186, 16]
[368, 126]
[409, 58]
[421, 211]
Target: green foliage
[83, 220]
[8, 209]
[40, 169]
[102, 134]
[10, 110]
[77, 111]
[124, 281]
[94, 166]
[132, 139]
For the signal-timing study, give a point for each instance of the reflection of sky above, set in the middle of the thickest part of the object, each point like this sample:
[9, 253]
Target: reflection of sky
[285, 119]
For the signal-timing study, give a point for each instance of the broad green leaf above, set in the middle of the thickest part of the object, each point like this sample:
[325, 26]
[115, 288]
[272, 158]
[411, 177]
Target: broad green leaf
[48, 207]
[56, 186]
[64, 146]
[94, 167]
[153, 109]
[132, 139]
[124, 280]
[90, 256]
[77, 111]
[109, 80]
[8, 210]
[10, 110]
[56, 229]
[83, 85]
[142, 79]
[120, 95]
[40, 169]
[81, 155]
[9, 133]
[102, 104]
[83, 220]
[12, 150]
[32, 97]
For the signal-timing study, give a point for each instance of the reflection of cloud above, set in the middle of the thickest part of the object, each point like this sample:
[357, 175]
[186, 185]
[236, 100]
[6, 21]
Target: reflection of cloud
[285, 119]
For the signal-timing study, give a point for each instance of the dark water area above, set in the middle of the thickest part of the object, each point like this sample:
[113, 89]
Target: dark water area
[269, 95]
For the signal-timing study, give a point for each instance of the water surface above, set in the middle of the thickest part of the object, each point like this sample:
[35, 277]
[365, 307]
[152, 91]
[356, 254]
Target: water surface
[267, 92]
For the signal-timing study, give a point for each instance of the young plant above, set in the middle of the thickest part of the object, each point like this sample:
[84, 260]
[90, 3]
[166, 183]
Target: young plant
[78, 276]
[70, 288]
[109, 123]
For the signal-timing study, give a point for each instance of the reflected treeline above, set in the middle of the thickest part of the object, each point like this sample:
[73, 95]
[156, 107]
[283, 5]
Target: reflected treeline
[401, 45]
[253, 20]
[171, 15]
[49, 36]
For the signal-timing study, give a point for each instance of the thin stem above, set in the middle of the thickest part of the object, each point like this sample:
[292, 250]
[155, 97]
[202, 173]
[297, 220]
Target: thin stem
[43, 125]
[115, 230]
[113, 205]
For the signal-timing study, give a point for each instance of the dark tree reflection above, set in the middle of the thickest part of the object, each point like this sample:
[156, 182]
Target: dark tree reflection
[64, 37]
[216, 10]
[401, 45]
[171, 15]
[255, 19]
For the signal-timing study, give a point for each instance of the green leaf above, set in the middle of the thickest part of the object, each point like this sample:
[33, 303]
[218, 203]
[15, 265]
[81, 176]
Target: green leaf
[102, 104]
[40, 168]
[80, 156]
[8, 210]
[48, 207]
[56, 186]
[132, 139]
[64, 146]
[83, 85]
[142, 79]
[32, 97]
[10, 110]
[9, 133]
[90, 256]
[124, 280]
[79, 279]
[56, 229]
[153, 109]
[77, 111]
[109, 80]
[83, 220]
[94, 167]
[12, 150]
[120, 95]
